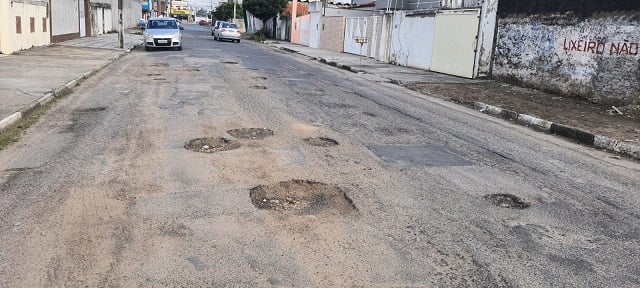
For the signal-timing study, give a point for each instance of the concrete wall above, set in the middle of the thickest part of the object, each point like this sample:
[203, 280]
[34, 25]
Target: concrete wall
[411, 41]
[12, 40]
[332, 33]
[65, 20]
[132, 11]
[572, 49]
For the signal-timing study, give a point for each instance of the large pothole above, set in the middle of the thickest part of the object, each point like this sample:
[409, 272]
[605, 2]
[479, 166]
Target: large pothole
[251, 133]
[302, 197]
[211, 145]
[507, 201]
[321, 141]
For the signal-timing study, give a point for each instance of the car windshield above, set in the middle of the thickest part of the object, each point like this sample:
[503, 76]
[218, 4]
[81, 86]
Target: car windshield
[162, 24]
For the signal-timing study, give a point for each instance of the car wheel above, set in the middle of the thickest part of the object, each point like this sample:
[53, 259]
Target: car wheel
[147, 48]
[214, 36]
[180, 48]
[238, 41]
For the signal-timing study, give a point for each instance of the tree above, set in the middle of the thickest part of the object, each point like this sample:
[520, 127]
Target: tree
[265, 9]
[225, 11]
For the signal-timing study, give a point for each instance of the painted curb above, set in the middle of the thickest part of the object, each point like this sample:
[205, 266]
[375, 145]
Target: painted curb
[10, 120]
[579, 135]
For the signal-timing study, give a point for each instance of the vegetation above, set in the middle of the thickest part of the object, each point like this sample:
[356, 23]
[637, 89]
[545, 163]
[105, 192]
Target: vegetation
[265, 9]
[224, 12]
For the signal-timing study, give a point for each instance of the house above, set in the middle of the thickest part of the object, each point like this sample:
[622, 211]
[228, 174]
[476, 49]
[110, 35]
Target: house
[28, 23]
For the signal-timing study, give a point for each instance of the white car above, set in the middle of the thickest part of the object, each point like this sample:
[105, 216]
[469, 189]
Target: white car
[227, 31]
[163, 33]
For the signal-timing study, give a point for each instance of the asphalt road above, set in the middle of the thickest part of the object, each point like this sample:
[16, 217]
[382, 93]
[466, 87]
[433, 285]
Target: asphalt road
[102, 192]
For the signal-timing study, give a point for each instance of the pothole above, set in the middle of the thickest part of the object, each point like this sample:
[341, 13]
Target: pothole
[258, 87]
[211, 145]
[321, 141]
[229, 62]
[154, 74]
[260, 78]
[507, 201]
[301, 197]
[251, 133]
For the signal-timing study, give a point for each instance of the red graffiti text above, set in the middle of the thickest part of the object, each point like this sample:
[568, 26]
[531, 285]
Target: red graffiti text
[599, 47]
[594, 47]
[624, 48]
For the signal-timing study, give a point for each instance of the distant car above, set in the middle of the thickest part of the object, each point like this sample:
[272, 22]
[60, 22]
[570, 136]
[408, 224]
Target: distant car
[227, 31]
[203, 23]
[215, 26]
[163, 33]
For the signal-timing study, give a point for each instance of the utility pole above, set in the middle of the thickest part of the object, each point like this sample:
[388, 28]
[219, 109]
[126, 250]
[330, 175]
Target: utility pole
[121, 26]
[234, 12]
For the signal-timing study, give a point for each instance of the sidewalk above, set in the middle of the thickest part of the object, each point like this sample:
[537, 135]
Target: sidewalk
[33, 77]
[614, 129]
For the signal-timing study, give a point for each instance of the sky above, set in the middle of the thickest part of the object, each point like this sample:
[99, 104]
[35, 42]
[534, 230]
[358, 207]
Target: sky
[205, 4]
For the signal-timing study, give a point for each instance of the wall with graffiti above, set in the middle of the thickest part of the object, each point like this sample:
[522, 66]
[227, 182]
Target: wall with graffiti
[586, 53]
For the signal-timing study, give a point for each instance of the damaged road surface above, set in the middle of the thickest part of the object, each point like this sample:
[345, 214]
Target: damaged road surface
[325, 179]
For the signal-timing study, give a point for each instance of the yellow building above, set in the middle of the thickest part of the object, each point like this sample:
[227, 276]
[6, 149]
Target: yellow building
[180, 10]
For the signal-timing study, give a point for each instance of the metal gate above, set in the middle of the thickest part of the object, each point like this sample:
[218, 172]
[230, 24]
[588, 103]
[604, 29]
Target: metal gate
[455, 42]
[355, 27]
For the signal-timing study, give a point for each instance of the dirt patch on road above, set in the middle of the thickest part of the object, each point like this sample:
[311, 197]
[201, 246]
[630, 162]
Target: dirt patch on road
[301, 197]
[598, 119]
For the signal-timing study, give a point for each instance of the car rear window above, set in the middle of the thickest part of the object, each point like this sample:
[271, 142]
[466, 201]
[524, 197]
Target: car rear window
[162, 24]
[229, 25]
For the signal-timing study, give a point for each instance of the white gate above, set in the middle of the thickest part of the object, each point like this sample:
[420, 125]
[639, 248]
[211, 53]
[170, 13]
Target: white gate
[454, 47]
[108, 20]
[355, 27]
[303, 28]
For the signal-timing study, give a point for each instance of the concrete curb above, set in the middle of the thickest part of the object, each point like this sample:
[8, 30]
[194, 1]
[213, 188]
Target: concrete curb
[47, 97]
[579, 135]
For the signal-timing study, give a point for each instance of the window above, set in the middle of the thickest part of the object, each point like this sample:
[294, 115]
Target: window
[44, 24]
[32, 24]
[18, 25]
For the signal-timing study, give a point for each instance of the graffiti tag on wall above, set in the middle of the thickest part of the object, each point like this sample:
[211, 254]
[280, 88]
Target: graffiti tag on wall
[600, 47]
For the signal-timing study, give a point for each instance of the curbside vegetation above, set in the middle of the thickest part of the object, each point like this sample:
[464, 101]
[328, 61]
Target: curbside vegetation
[29, 116]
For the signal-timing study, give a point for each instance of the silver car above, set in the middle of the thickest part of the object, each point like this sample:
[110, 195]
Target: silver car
[227, 30]
[163, 33]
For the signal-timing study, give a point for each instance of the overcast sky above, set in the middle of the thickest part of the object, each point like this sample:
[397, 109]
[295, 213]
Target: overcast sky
[205, 4]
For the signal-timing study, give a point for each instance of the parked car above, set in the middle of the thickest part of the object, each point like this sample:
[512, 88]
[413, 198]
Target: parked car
[227, 31]
[203, 22]
[163, 33]
[215, 26]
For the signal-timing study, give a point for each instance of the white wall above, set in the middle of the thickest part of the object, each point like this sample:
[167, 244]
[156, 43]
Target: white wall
[10, 40]
[65, 17]
[411, 42]
[597, 58]
[315, 9]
